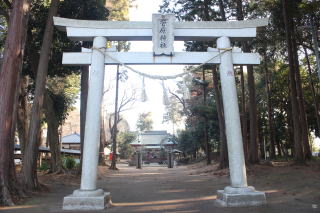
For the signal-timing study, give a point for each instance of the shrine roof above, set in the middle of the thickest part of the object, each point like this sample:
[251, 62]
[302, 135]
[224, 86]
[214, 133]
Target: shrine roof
[72, 138]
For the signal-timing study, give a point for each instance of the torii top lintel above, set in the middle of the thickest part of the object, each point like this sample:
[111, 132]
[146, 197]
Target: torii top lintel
[86, 30]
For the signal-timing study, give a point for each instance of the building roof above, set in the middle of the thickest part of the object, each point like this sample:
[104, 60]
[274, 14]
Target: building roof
[168, 142]
[71, 151]
[152, 147]
[73, 138]
[153, 138]
[158, 132]
[136, 143]
[47, 149]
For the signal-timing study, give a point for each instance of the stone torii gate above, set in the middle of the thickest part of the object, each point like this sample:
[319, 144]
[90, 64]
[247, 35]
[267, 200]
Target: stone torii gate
[163, 30]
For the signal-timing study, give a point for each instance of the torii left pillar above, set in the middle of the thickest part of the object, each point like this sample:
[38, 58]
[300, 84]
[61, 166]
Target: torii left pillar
[88, 197]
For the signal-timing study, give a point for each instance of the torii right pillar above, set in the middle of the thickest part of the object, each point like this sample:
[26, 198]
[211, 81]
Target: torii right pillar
[238, 193]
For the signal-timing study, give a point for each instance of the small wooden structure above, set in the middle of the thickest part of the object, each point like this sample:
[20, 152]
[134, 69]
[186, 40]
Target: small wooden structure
[154, 145]
[71, 141]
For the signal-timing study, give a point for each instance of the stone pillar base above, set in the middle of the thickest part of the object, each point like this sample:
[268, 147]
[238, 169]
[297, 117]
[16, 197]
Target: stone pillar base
[240, 197]
[87, 200]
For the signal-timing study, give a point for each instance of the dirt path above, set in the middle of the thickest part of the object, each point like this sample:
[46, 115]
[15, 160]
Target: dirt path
[184, 189]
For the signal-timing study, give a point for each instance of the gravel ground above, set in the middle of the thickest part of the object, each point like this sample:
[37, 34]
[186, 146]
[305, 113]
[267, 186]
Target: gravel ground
[188, 189]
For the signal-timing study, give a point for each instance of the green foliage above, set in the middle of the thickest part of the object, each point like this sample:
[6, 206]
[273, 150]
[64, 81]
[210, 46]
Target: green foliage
[4, 18]
[64, 92]
[84, 9]
[124, 140]
[44, 166]
[68, 162]
[119, 9]
[191, 10]
[144, 121]
[163, 153]
[187, 142]
[271, 44]
[63, 81]
[192, 139]
[3, 30]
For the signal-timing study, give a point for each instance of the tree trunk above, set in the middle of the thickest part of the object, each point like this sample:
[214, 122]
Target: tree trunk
[303, 116]
[29, 178]
[115, 125]
[9, 79]
[261, 140]
[222, 10]
[315, 38]
[288, 111]
[83, 107]
[270, 112]
[22, 113]
[240, 15]
[314, 97]
[223, 159]
[206, 128]
[253, 146]
[53, 134]
[102, 141]
[206, 138]
[243, 115]
[207, 17]
[298, 149]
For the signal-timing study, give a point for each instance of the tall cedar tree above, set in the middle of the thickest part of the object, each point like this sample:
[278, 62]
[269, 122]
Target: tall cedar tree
[29, 169]
[297, 126]
[9, 78]
[223, 158]
[114, 130]
[253, 145]
[60, 103]
[206, 119]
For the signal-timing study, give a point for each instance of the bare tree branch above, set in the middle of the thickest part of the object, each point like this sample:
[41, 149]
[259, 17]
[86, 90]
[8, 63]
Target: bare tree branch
[126, 100]
[107, 90]
[183, 102]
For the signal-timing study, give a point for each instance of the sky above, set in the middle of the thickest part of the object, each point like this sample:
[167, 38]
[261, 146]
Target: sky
[142, 11]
